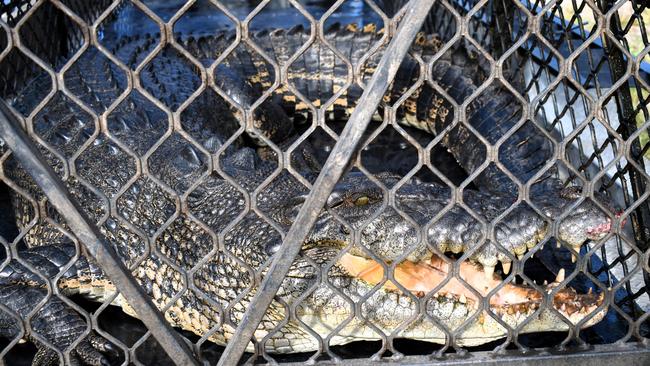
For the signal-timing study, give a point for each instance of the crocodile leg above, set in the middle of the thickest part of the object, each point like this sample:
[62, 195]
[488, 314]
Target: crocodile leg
[56, 321]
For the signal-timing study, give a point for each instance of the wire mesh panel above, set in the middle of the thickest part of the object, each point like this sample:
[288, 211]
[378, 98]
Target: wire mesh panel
[497, 201]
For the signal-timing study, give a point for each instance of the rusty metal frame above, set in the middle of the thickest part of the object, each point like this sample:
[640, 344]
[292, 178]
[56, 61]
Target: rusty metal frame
[633, 354]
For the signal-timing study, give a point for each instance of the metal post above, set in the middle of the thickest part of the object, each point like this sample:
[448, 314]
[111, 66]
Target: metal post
[88, 234]
[331, 173]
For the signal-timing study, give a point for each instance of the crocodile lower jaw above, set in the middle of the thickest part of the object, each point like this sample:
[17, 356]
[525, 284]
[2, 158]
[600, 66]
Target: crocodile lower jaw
[438, 307]
[434, 275]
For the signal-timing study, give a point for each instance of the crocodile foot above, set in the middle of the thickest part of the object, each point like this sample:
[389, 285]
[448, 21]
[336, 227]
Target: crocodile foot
[91, 351]
[56, 324]
[56, 328]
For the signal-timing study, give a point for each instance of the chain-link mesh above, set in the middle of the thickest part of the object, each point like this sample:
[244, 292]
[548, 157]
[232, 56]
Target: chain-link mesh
[157, 114]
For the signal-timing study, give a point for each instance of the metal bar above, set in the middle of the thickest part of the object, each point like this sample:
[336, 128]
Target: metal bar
[331, 173]
[89, 235]
[627, 354]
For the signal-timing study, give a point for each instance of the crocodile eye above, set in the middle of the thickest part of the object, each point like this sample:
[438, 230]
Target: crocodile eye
[361, 201]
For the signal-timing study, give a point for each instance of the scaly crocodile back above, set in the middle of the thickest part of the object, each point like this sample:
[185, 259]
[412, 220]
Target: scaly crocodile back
[318, 74]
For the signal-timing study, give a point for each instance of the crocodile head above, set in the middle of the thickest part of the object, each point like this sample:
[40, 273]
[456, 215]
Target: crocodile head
[390, 268]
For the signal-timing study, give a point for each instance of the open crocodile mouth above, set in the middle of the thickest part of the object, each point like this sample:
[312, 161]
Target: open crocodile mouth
[425, 276]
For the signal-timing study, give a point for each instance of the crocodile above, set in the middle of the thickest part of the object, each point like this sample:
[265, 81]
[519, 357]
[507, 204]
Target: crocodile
[318, 76]
[213, 297]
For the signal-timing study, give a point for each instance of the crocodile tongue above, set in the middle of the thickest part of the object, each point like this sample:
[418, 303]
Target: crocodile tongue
[422, 277]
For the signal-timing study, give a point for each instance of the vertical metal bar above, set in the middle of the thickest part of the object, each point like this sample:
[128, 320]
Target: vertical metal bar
[618, 68]
[332, 170]
[89, 236]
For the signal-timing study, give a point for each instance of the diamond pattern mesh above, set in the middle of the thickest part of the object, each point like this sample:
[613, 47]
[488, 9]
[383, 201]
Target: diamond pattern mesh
[136, 106]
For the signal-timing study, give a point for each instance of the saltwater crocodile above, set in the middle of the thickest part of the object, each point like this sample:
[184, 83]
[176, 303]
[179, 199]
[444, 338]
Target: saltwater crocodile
[223, 280]
[319, 75]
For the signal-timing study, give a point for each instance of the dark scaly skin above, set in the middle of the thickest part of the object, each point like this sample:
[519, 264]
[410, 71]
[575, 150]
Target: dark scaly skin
[216, 203]
[317, 75]
[55, 321]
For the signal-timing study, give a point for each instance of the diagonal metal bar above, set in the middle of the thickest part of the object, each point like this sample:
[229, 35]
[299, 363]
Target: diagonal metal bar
[89, 235]
[332, 171]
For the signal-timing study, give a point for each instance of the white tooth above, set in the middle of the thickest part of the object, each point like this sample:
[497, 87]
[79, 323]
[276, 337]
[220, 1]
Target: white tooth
[560, 275]
[590, 291]
[558, 245]
[462, 299]
[489, 272]
[520, 256]
[563, 308]
[506, 267]
[545, 283]
[573, 257]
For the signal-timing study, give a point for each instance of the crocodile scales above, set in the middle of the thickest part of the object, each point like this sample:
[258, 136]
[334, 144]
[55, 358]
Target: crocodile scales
[224, 280]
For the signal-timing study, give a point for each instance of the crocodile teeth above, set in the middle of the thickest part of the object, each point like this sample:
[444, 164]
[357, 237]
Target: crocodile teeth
[462, 299]
[560, 276]
[489, 272]
[573, 256]
[506, 267]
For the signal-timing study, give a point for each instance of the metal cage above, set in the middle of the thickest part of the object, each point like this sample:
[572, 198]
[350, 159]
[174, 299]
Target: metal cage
[582, 67]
